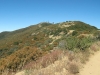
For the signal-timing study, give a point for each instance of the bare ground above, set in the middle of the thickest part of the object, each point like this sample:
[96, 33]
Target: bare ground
[92, 67]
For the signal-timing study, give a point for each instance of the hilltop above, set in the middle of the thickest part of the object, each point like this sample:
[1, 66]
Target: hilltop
[21, 47]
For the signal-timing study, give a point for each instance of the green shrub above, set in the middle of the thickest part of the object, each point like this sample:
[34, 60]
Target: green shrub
[84, 43]
[71, 43]
[58, 30]
[49, 40]
[45, 24]
[16, 43]
[97, 35]
[80, 26]
[13, 49]
[74, 33]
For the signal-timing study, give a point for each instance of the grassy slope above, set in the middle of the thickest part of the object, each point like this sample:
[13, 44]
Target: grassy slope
[17, 45]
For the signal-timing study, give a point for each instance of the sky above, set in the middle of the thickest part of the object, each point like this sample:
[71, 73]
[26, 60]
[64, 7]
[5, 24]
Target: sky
[16, 14]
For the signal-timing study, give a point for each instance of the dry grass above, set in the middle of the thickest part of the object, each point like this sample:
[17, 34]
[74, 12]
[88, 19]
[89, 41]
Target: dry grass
[71, 56]
[73, 68]
[55, 63]
[60, 62]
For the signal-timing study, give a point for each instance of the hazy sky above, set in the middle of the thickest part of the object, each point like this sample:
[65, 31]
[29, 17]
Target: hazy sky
[16, 14]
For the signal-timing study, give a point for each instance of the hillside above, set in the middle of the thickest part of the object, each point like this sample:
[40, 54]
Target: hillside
[20, 47]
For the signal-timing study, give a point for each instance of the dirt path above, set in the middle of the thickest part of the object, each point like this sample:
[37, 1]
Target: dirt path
[92, 67]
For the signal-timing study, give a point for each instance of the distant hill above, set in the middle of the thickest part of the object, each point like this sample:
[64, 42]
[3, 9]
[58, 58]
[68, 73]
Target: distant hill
[3, 34]
[28, 44]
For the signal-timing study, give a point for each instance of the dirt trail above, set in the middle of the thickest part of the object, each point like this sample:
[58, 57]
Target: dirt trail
[92, 67]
